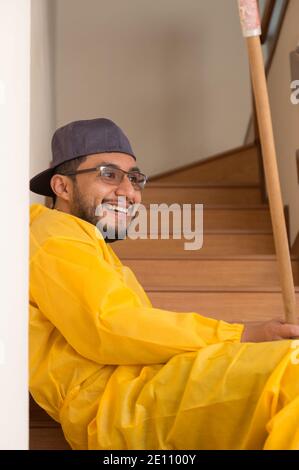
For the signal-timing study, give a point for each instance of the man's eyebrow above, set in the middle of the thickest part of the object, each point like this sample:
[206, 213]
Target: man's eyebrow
[113, 165]
[135, 168]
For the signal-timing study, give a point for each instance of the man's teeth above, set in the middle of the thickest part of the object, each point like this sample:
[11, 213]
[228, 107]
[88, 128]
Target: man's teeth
[110, 207]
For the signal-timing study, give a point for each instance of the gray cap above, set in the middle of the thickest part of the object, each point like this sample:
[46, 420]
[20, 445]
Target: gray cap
[78, 139]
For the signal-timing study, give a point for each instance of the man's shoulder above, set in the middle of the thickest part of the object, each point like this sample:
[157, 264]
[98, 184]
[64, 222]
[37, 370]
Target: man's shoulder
[50, 224]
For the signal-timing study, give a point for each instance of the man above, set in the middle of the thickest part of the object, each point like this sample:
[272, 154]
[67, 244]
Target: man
[116, 372]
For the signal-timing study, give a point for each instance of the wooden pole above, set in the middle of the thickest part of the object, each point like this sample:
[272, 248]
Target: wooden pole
[251, 30]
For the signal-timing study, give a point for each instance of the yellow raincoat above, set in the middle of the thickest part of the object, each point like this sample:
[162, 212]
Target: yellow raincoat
[120, 374]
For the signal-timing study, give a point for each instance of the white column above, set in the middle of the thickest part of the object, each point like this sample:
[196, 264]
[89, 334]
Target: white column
[14, 198]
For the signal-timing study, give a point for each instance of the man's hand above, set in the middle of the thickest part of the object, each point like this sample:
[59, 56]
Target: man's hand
[273, 330]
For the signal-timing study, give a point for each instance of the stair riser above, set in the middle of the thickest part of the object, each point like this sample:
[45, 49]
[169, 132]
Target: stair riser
[213, 245]
[236, 220]
[214, 195]
[219, 219]
[229, 306]
[240, 167]
[48, 438]
[208, 273]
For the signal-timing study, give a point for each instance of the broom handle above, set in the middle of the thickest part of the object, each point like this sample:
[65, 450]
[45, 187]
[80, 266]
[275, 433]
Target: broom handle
[251, 30]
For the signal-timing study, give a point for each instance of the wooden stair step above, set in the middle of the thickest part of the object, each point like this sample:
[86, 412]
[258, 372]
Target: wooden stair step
[227, 217]
[39, 418]
[229, 306]
[45, 433]
[240, 165]
[208, 272]
[215, 288]
[201, 194]
[222, 244]
[47, 438]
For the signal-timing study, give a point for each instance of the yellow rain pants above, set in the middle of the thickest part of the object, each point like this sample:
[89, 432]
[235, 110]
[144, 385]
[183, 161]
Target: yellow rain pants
[120, 374]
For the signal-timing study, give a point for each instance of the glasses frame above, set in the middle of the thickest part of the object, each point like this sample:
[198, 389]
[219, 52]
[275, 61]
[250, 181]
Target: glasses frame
[100, 167]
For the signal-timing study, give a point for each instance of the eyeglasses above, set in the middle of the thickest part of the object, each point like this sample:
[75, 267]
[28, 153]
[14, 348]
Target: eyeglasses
[114, 176]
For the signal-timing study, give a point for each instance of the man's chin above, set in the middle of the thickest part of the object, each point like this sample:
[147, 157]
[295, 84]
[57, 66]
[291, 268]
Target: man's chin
[117, 220]
[113, 231]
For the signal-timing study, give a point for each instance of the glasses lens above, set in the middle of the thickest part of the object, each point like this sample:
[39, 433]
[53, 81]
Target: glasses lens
[137, 179]
[114, 176]
[111, 175]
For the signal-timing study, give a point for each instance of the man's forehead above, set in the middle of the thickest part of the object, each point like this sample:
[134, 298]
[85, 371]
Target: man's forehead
[116, 159]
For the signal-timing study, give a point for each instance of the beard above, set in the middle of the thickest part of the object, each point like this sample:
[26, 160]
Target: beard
[82, 209]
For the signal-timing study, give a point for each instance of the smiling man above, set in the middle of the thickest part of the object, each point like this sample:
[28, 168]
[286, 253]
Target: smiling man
[102, 192]
[116, 372]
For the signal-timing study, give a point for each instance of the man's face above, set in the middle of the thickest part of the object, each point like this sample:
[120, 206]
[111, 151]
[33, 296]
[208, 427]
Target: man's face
[90, 193]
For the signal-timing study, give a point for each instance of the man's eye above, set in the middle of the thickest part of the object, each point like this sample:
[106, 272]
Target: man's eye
[108, 174]
[133, 178]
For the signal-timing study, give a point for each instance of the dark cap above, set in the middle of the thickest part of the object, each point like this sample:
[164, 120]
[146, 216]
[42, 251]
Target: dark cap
[78, 139]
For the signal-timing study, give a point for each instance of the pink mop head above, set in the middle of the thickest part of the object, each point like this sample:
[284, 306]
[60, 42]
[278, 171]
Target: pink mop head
[250, 18]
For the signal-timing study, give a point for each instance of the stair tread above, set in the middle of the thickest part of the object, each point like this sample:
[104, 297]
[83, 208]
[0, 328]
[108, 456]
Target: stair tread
[221, 218]
[202, 185]
[47, 438]
[254, 257]
[241, 165]
[47, 422]
[232, 207]
[233, 307]
[227, 244]
[215, 274]
[218, 232]
[217, 289]
[204, 194]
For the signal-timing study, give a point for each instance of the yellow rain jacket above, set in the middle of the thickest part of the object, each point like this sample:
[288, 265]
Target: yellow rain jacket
[120, 374]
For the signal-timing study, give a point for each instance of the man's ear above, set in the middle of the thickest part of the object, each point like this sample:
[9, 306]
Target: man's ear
[61, 186]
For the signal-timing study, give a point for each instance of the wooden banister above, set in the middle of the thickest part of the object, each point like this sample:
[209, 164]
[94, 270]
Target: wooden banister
[269, 11]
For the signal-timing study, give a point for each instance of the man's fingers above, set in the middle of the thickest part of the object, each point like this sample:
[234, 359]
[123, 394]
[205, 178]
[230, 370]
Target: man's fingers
[287, 330]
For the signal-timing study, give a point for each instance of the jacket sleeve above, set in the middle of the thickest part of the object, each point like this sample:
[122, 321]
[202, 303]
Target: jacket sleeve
[103, 319]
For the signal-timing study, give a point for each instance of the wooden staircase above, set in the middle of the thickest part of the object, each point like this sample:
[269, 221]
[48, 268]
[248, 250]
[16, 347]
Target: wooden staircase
[234, 276]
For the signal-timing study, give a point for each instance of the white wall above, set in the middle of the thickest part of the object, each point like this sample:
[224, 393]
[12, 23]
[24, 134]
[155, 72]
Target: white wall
[286, 115]
[173, 74]
[42, 87]
[14, 151]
